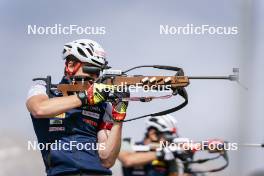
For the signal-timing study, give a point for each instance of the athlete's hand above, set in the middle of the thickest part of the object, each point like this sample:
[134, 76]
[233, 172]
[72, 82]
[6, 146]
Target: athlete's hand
[98, 93]
[165, 154]
[120, 107]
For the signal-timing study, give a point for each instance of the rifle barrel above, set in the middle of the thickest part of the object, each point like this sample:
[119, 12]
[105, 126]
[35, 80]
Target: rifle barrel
[252, 145]
[209, 77]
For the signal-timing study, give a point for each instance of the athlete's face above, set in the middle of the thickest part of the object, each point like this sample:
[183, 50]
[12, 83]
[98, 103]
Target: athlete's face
[71, 65]
[155, 136]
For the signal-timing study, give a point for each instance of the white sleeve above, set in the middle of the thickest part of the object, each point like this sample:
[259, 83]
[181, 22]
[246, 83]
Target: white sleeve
[38, 88]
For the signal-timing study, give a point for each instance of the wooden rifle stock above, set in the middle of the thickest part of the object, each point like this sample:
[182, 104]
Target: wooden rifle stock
[146, 81]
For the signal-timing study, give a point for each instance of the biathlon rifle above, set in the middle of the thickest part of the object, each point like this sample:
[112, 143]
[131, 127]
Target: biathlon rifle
[176, 82]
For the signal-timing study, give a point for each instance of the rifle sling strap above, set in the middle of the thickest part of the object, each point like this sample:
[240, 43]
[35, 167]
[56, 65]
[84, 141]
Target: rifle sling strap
[182, 92]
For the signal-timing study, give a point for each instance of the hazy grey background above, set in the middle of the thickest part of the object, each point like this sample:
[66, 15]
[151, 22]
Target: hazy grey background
[217, 109]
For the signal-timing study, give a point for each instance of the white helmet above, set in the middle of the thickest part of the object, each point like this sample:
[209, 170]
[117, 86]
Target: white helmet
[87, 51]
[165, 123]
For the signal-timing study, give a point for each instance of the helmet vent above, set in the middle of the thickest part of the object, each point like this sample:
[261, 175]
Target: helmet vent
[69, 46]
[82, 44]
[81, 52]
[90, 52]
[156, 121]
[64, 50]
[96, 62]
[91, 46]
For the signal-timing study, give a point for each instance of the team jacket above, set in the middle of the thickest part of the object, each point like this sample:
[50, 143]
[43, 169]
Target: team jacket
[77, 129]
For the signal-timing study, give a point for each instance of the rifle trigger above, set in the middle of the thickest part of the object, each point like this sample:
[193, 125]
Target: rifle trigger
[145, 99]
[174, 91]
